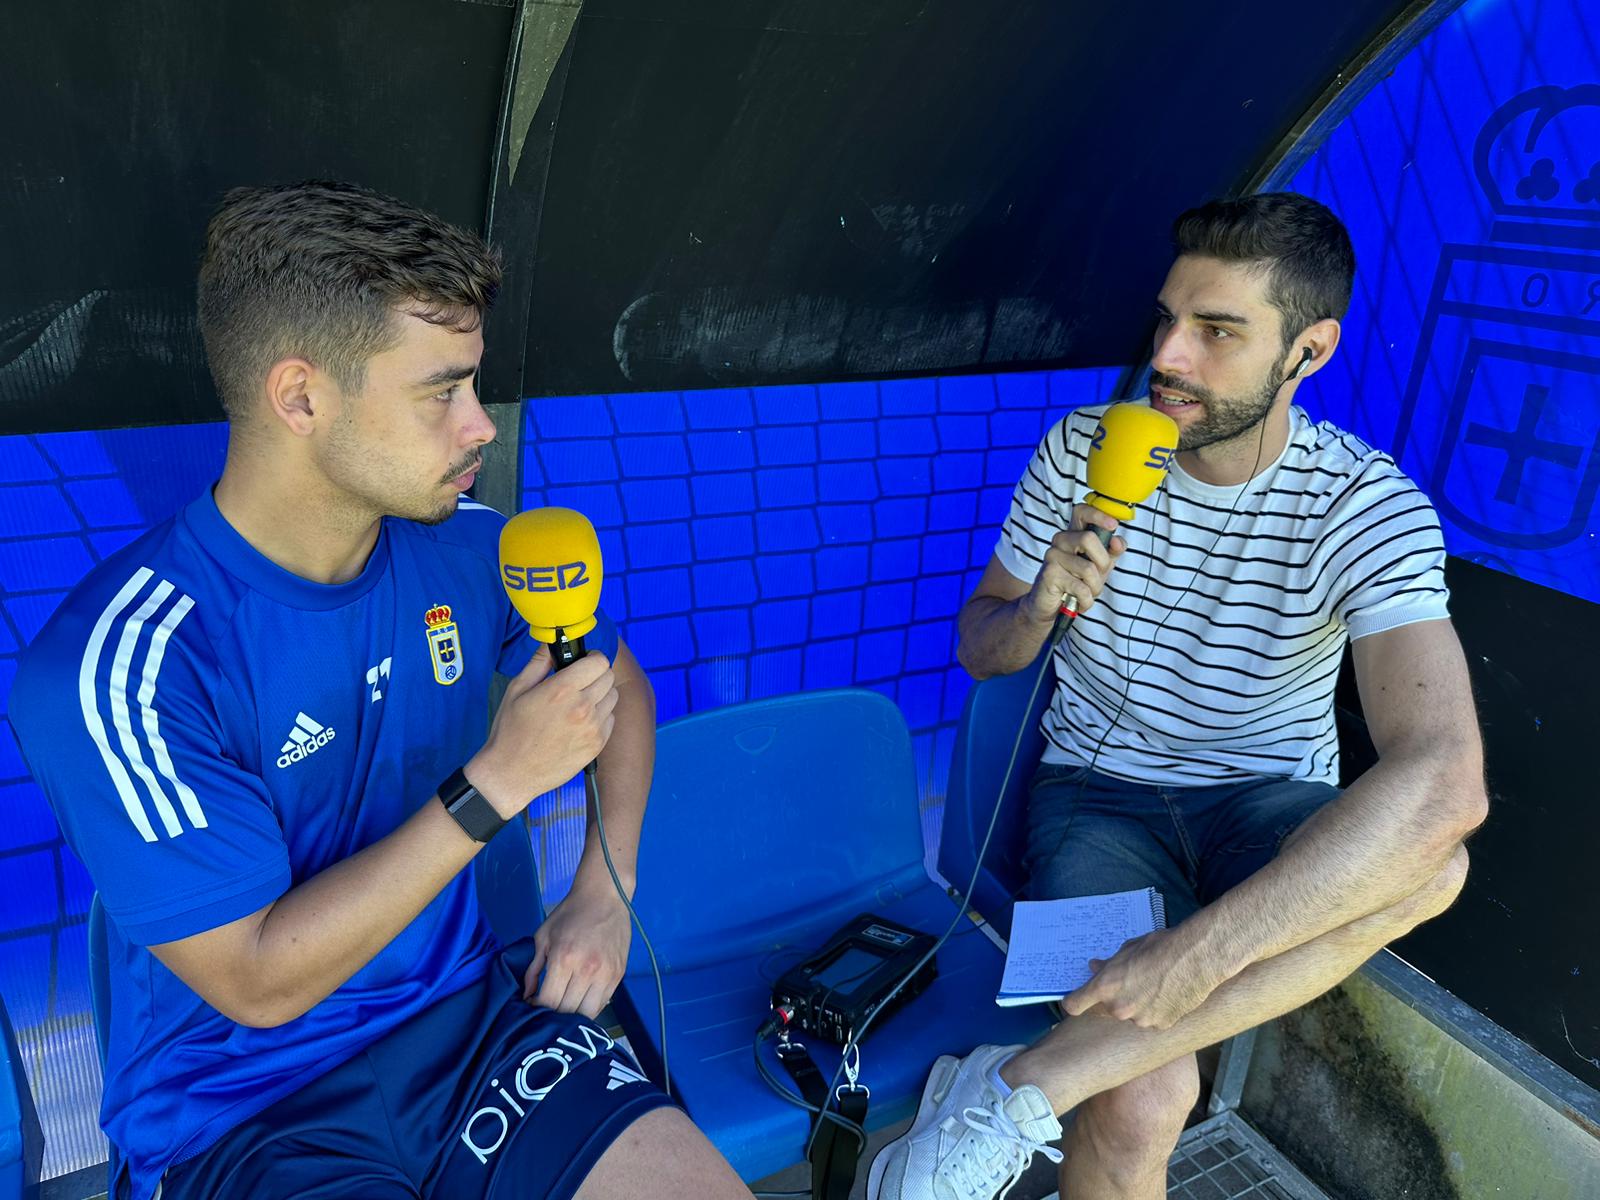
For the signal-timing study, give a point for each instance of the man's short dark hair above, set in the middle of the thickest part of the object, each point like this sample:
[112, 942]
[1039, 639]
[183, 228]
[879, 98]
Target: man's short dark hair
[1305, 248]
[318, 269]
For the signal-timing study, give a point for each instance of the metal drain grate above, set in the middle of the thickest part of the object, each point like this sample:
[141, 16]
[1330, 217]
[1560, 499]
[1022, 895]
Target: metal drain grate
[1222, 1158]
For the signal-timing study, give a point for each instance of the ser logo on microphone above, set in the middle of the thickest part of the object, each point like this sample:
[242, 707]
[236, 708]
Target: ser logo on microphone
[558, 578]
[1160, 456]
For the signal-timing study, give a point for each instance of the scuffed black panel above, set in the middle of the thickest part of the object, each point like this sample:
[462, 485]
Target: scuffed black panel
[701, 191]
[751, 193]
[125, 120]
[1520, 944]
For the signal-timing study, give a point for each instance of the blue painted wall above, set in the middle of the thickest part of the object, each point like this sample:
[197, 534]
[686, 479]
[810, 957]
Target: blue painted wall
[768, 540]
[1470, 181]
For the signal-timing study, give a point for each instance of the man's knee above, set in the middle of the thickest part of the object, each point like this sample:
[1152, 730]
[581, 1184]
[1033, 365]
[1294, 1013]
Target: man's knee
[662, 1154]
[1144, 1115]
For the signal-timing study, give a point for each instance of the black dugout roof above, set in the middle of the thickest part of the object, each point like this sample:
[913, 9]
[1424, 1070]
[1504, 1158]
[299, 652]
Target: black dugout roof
[689, 192]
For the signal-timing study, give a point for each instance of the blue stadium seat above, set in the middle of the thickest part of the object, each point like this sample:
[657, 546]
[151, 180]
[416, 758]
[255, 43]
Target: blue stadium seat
[100, 1003]
[21, 1142]
[508, 884]
[996, 710]
[770, 825]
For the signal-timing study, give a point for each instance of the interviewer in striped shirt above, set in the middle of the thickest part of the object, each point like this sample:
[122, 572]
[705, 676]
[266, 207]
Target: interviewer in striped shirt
[1190, 745]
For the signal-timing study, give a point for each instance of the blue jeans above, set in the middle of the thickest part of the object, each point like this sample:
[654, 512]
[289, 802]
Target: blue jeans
[1089, 834]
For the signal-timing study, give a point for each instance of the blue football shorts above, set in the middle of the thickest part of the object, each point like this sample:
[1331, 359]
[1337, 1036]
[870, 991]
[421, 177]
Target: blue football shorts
[481, 1095]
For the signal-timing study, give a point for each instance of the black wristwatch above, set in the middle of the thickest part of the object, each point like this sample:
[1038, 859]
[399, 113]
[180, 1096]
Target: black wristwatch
[469, 808]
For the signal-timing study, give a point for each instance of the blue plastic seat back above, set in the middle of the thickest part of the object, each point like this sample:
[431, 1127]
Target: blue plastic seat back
[771, 824]
[507, 879]
[771, 817]
[996, 710]
[21, 1141]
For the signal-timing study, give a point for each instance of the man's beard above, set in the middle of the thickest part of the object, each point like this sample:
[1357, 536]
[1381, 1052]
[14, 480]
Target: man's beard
[437, 516]
[1222, 420]
[446, 508]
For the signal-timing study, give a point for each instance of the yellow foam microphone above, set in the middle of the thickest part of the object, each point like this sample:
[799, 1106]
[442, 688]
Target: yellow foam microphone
[550, 566]
[1129, 455]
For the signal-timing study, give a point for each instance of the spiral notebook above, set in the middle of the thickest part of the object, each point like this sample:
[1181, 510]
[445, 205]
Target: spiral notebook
[1052, 941]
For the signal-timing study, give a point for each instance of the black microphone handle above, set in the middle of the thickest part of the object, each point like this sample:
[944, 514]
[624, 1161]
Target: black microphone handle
[565, 651]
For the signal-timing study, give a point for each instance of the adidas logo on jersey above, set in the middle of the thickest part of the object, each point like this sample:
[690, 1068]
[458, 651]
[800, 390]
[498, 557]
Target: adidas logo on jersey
[306, 737]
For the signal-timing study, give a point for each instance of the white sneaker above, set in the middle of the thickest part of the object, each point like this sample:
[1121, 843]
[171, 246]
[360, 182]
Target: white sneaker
[929, 1109]
[934, 1091]
[969, 1145]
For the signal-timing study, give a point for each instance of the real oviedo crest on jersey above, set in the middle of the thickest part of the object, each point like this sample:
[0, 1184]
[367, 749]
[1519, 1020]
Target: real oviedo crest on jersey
[444, 645]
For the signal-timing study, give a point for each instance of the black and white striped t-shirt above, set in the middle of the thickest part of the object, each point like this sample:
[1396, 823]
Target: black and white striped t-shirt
[1240, 598]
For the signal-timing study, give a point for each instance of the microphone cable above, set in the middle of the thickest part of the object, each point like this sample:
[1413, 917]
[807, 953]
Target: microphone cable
[592, 788]
[562, 654]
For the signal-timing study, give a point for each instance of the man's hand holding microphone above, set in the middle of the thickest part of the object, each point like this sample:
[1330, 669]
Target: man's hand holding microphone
[550, 726]
[1127, 459]
[1004, 621]
[1078, 563]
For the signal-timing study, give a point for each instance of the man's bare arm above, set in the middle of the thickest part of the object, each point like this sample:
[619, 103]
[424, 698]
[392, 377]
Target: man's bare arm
[1394, 829]
[275, 964]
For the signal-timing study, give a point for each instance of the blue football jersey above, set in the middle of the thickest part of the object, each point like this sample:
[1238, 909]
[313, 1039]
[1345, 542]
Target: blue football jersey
[211, 731]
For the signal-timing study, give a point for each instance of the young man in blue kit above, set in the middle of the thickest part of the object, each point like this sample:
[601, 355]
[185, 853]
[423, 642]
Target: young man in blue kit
[251, 721]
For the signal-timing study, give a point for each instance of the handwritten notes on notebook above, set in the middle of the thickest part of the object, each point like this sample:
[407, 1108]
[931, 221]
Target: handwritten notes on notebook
[1052, 941]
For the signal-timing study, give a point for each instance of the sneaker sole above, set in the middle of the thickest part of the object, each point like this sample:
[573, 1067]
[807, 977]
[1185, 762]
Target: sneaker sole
[933, 1094]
